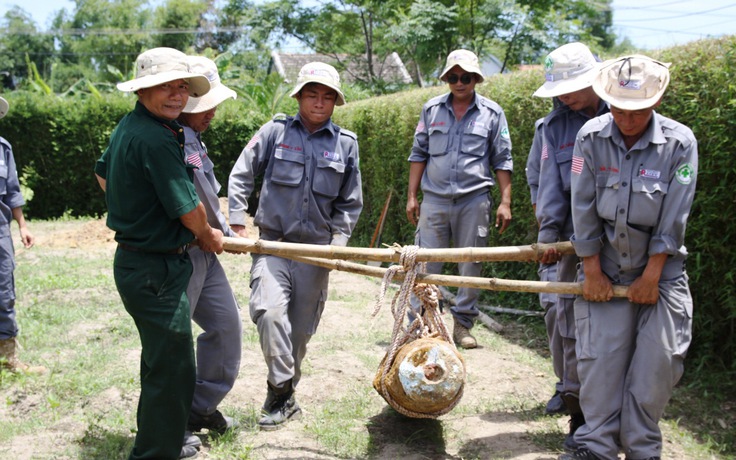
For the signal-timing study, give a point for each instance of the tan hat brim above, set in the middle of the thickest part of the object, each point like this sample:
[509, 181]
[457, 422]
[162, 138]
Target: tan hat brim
[199, 85]
[603, 87]
[567, 86]
[4, 107]
[340, 96]
[216, 96]
[466, 67]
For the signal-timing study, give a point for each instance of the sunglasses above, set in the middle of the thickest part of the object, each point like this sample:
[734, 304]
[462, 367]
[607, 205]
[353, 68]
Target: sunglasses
[464, 78]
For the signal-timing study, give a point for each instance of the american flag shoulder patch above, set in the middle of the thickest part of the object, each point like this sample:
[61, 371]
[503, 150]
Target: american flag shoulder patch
[194, 160]
[577, 164]
[253, 141]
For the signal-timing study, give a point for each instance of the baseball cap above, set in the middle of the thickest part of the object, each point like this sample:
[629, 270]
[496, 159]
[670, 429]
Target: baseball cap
[218, 92]
[160, 65]
[632, 82]
[466, 60]
[319, 72]
[567, 69]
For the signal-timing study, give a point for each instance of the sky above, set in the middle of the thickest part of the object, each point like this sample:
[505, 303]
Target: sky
[649, 24]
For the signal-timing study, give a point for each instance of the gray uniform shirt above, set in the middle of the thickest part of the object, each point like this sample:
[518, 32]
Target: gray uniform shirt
[10, 196]
[461, 156]
[630, 204]
[204, 180]
[312, 191]
[561, 126]
[533, 160]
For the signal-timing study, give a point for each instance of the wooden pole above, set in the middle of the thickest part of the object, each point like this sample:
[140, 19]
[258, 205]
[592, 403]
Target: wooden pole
[528, 253]
[491, 284]
[376, 239]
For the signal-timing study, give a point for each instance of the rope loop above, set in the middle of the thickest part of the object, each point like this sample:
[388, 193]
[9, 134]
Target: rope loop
[427, 322]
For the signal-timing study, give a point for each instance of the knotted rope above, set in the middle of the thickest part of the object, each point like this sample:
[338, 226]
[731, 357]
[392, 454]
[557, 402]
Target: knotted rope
[428, 323]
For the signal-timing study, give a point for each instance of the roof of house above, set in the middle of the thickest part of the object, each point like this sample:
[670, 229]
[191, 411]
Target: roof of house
[391, 69]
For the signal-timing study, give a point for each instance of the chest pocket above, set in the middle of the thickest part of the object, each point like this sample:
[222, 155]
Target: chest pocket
[606, 198]
[564, 163]
[438, 139]
[288, 167]
[328, 177]
[475, 140]
[646, 201]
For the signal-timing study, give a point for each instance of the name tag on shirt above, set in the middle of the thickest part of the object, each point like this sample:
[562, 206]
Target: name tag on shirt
[332, 156]
[649, 173]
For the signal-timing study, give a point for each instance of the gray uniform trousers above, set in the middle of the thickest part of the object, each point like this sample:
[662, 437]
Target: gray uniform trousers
[629, 358]
[215, 310]
[548, 302]
[567, 272]
[465, 223]
[8, 325]
[286, 304]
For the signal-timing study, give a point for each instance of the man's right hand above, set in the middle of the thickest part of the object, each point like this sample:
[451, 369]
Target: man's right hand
[412, 210]
[211, 241]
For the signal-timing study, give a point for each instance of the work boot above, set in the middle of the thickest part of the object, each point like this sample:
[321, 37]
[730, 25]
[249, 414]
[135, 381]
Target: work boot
[462, 336]
[580, 454]
[190, 445]
[279, 408]
[216, 423]
[555, 405]
[9, 360]
[576, 421]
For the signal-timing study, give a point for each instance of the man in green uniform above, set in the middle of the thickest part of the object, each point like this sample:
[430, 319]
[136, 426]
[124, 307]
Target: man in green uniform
[155, 212]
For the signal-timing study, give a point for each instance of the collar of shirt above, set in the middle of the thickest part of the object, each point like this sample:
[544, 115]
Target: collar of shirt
[448, 101]
[329, 126]
[652, 135]
[141, 109]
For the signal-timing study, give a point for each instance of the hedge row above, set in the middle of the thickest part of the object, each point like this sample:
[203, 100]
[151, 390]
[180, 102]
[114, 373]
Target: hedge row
[56, 142]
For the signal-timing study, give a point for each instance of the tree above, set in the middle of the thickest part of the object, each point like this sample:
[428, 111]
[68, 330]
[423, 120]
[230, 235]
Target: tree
[20, 38]
[184, 19]
[103, 33]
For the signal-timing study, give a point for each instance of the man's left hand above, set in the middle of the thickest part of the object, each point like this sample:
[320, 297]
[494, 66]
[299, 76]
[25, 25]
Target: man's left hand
[503, 217]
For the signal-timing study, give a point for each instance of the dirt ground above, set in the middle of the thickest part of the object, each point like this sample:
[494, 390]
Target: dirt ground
[498, 417]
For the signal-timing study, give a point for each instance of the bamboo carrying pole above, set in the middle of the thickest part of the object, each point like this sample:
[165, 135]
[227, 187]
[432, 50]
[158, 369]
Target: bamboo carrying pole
[306, 252]
[528, 253]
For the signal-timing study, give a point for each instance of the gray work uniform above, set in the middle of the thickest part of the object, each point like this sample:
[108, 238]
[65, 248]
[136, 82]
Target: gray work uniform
[461, 157]
[628, 204]
[547, 272]
[213, 305]
[311, 193]
[555, 221]
[10, 198]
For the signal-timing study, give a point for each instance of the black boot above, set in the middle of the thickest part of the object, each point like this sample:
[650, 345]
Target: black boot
[279, 408]
[572, 401]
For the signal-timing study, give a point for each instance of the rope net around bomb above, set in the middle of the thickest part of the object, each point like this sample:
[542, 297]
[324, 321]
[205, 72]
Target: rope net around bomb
[427, 323]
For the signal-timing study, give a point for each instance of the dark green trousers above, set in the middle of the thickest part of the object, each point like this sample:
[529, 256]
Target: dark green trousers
[153, 290]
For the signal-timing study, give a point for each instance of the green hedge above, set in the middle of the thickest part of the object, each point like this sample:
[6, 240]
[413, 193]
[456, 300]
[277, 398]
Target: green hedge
[56, 142]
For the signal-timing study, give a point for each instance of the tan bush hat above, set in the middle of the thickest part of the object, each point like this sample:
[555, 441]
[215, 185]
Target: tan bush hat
[160, 65]
[319, 72]
[633, 82]
[567, 69]
[218, 92]
[4, 106]
[466, 60]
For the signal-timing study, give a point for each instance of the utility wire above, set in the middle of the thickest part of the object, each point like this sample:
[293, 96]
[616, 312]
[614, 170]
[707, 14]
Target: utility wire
[694, 13]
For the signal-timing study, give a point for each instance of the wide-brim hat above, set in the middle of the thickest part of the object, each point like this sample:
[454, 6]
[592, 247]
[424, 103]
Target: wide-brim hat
[4, 107]
[161, 65]
[633, 82]
[321, 73]
[567, 69]
[466, 60]
[218, 92]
